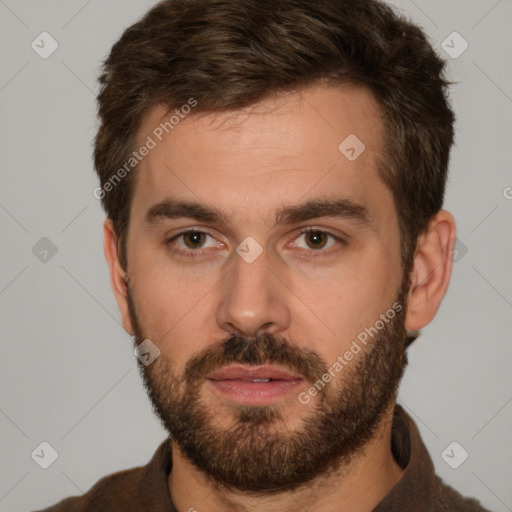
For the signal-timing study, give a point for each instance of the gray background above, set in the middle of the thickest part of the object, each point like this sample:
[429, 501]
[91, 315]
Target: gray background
[68, 375]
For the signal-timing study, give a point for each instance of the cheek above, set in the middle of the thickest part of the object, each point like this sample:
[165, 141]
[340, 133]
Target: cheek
[166, 289]
[175, 307]
[168, 303]
[348, 298]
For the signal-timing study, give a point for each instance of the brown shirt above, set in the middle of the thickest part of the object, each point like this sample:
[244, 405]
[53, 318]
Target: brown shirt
[145, 489]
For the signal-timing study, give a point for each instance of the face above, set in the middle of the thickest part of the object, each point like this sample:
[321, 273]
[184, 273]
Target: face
[255, 243]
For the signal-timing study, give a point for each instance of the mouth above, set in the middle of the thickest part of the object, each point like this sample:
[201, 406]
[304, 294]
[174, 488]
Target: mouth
[254, 385]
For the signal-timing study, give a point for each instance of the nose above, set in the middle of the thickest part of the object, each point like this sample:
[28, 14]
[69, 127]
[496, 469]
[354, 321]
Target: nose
[253, 299]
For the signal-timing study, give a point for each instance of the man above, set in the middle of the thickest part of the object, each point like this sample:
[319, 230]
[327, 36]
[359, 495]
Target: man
[273, 175]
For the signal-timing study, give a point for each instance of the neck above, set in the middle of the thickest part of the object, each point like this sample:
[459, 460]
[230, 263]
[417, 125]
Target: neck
[358, 486]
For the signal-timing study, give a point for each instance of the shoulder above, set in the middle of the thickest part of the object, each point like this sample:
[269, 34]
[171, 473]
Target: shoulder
[117, 491]
[449, 500]
[130, 490]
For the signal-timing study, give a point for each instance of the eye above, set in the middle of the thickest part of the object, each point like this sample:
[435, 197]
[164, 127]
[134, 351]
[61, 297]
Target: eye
[318, 240]
[192, 242]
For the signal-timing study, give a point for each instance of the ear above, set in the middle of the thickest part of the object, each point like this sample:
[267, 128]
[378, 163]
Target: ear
[431, 271]
[117, 273]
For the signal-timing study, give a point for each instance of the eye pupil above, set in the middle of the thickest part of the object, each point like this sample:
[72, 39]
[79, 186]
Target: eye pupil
[318, 236]
[196, 238]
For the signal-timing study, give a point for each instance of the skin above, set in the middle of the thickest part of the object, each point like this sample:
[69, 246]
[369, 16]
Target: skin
[249, 163]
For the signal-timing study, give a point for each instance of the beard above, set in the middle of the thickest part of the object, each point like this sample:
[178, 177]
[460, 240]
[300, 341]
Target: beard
[258, 453]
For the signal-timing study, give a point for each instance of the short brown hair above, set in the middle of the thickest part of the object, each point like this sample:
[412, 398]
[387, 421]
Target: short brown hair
[228, 54]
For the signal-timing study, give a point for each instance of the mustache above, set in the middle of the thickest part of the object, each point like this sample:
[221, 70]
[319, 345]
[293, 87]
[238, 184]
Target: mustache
[266, 348]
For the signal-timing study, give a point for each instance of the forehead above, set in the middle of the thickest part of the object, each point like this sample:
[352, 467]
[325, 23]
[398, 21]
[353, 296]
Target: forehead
[323, 141]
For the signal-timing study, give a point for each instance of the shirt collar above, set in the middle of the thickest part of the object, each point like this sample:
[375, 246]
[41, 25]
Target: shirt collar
[418, 482]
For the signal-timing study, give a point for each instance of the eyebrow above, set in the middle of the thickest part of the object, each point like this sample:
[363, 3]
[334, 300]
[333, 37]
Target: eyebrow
[337, 208]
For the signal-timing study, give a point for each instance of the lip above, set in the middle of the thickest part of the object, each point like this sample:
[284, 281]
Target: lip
[236, 384]
[245, 373]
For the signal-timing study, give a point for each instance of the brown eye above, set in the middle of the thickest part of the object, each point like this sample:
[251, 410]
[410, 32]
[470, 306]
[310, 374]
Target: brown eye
[316, 239]
[194, 239]
[193, 243]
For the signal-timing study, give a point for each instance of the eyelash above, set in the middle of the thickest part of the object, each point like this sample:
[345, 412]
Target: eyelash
[200, 252]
